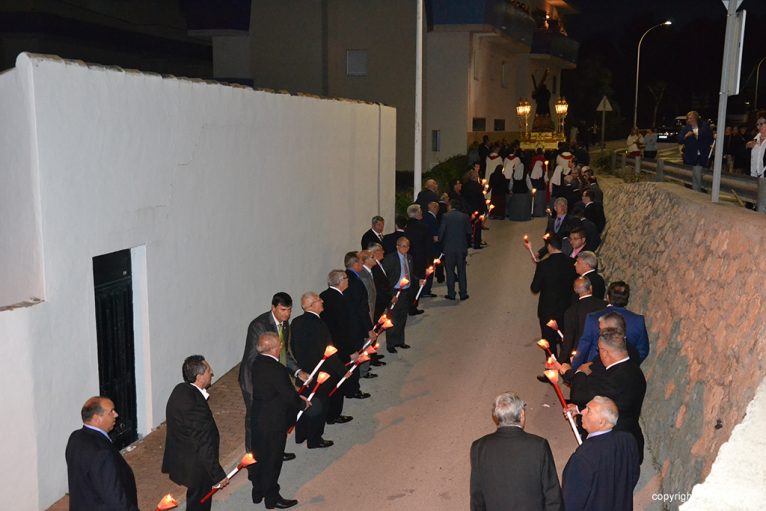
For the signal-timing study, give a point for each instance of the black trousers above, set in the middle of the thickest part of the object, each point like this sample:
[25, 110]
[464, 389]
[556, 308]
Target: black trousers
[310, 427]
[195, 493]
[268, 448]
[395, 334]
[551, 336]
[455, 263]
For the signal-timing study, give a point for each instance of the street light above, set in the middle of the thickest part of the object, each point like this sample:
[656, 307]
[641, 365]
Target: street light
[638, 62]
[757, 76]
[523, 110]
[561, 107]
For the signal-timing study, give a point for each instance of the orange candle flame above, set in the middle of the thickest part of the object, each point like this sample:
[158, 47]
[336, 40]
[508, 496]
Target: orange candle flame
[387, 324]
[429, 270]
[322, 377]
[552, 324]
[248, 459]
[437, 261]
[552, 375]
[534, 191]
[167, 502]
[487, 202]
[330, 351]
[574, 353]
[372, 349]
[483, 181]
[526, 239]
[364, 357]
[547, 236]
[544, 344]
[403, 282]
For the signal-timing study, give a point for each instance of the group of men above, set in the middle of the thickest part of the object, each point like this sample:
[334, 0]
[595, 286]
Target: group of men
[598, 347]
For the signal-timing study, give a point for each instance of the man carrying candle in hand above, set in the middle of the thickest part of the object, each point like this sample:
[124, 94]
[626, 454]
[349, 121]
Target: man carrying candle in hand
[398, 268]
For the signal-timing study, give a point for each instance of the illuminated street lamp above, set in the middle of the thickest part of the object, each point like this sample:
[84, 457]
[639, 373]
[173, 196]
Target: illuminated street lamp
[523, 109]
[562, 107]
[638, 62]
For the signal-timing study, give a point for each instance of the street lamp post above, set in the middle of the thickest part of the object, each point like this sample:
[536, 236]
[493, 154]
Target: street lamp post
[638, 62]
[757, 76]
[562, 107]
[523, 110]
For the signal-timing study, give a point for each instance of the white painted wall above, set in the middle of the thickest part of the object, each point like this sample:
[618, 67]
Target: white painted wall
[234, 194]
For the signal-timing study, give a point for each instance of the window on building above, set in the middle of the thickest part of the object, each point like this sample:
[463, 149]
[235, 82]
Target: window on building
[356, 62]
[479, 124]
[504, 75]
[499, 124]
[436, 141]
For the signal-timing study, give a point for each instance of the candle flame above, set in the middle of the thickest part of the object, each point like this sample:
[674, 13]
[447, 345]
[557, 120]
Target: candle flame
[574, 352]
[437, 261]
[322, 377]
[483, 181]
[330, 351]
[404, 282]
[429, 270]
[551, 360]
[382, 319]
[552, 324]
[547, 236]
[526, 238]
[487, 202]
[387, 324]
[534, 191]
[248, 459]
[167, 502]
[552, 375]
[544, 344]
[372, 349]
[364, 357]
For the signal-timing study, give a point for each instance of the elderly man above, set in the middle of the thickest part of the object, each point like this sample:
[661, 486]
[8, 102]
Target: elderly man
[455, 233]
[375, 233]
[273, 410]
[357, 302]
[594, 211]
[696, 138]
[431, 221]
[574, 317]
[99, 477]
[604, 470]
[559, 223]
[510, 468]
[429, 193]
[192, 441]
[398, 268]
[586, 265]
[421, 247]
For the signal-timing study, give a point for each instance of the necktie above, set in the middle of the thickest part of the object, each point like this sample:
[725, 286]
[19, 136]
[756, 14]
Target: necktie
[557, 224]
[406, 269]
[282, 348]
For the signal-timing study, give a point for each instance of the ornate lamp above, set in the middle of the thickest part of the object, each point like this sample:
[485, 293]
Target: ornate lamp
[523, 109]
[562, 107]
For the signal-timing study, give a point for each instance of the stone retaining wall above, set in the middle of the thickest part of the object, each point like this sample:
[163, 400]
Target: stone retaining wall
[696, 272]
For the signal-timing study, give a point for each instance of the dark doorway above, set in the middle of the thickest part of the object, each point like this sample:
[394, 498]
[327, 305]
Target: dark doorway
[114, 330]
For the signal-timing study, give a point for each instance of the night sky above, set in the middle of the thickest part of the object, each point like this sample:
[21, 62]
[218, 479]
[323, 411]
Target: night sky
[684, 58]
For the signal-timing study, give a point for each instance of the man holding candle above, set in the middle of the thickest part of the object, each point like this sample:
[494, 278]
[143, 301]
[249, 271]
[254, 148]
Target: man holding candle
[375, 233]
[99, 477]
[510, 468]
[192, 442]
[586, 265]
[421, 248]
[455, 233]
[357, 303]
[398, 268]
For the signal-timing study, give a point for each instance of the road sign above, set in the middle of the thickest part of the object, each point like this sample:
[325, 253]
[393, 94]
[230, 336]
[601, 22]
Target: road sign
[604, 106]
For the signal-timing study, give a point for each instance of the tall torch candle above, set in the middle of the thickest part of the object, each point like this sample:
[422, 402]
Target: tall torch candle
[360, 360]
[553, 377]
[247, 460]
[321, 378]
[167, 502]
[553, 325]
[429, 271]
[328, 352]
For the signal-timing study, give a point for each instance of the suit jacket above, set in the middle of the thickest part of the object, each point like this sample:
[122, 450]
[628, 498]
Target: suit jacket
[192, 441]
[335, 315]
[263, 323]
[602, 473]
[597, 284]
[623, 383]
[696, 147]
[370, 237]
[553, 280]
[424, 197]
[309, 340]
[369, 285]
[592, 234]
[394, 269]
[358, 309]
[473, 197]
[421, 246]
[432, 223]
[512, 469]
[455, 232]
[594, 211]
[275, 401]
[389, 241]
[636, 335]
[574, 322]
[383, 293]
[565, 227]
[99, 477]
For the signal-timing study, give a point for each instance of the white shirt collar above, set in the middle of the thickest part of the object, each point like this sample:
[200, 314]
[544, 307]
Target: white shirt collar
[314, 313]
[618, 362]
[335, 288]
[274, 318]
[203, 391]
[587, 272]
[369, 270]
[598, 433]
[270, 356]
[586, 296]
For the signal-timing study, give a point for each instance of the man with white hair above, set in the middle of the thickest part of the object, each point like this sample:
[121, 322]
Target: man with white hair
[510, 468]
[603, 471]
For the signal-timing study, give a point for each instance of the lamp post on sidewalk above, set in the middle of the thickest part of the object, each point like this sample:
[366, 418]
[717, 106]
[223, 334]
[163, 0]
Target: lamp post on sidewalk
[757, 76]
[638, 63]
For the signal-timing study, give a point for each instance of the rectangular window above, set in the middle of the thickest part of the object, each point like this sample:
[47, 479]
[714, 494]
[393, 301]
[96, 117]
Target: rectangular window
[356, 62]
[436, 142]
[479, 124]
[499, 124]
[504, 75]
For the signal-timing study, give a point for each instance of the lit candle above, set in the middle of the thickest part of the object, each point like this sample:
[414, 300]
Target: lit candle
[167, 502]
[247, 460]
[429, 271]
[545, 345]
[534, 191]
[364, 357]
[553, 325]
[321, 378]
[529, 247]
[553, 377]
[328, 352]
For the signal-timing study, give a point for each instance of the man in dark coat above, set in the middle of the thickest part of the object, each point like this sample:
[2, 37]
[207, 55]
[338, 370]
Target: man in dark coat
[429, 193]
[586, 265]
[398, 266]
[553, 279]
[604, 470]
[432, 220]
[360, 316]
[99, 478]
[574, 317]
[273, 410]
[474, 201]
[594, 211]
[512, 469]
[192, 442]
[421, 247]
[382, 285]
[389, 240]
[375, 233]
[559, 224]
[696, 137]
[455, 234]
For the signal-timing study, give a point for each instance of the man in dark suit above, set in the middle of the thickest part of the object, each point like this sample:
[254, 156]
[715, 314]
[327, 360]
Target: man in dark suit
[574, 317]
[559, 223]
[613, 375]
[398, 266]
[697, 138]
[431, 220]
[553, 279]
[192, 441]
[358, 305]
[99, 477]
[604, 470]
[594, 211]
[389, 240]
[592, 234]
[586, 265]
[455, 234]
[309, 340]
[276, 320]
[429, 193]
[383, 293]
[273, 410]
[473, 199]
[512, 469]
[421, 247]
[337, 315]
[375, 233]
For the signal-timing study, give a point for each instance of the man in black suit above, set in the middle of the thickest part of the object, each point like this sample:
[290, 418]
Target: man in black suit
[375, 233]
[192, 441]
[309, 340]
[382, 285]
[273, 410]
[429, 193]
[614, 376]
[358, 303]
[553, 279]
[337, 316]
[99, 477]
[604, 470]
[276, 320]
[431, 220]
[594, 211]
[586, 265]
[398, 266]
[473, 199]
[592, 234]
[559, 223]
[574, 317]
[455, 234]
[389, 240]
[512, 469]
[421, 247]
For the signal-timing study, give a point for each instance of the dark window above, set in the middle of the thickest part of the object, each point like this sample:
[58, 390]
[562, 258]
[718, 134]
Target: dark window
[356, 62]
[499, 124]
[479, 124]
[436, 141]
